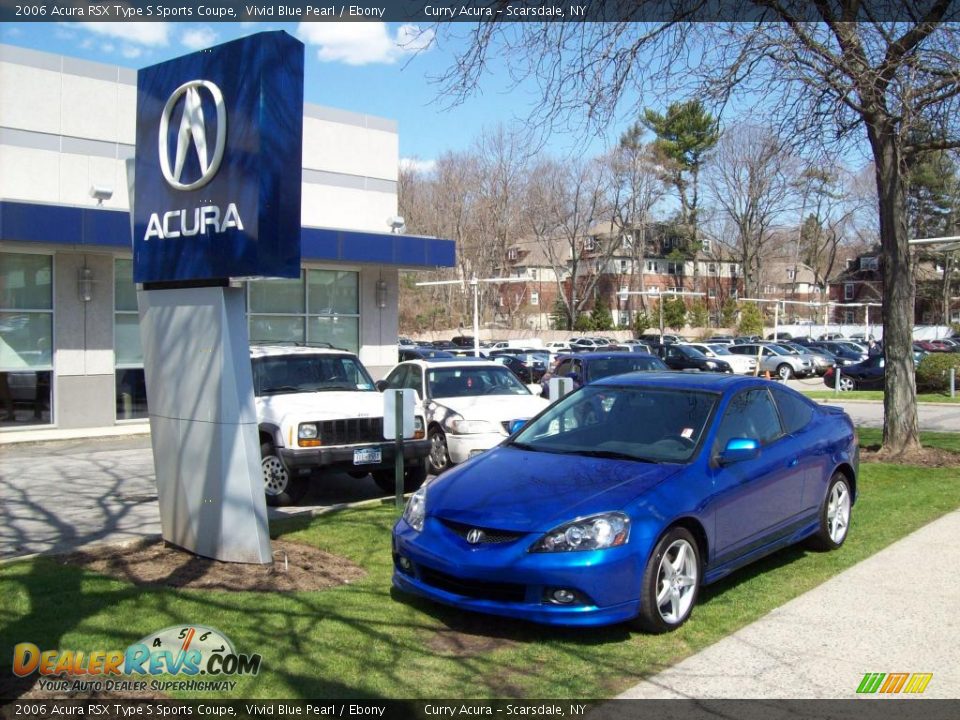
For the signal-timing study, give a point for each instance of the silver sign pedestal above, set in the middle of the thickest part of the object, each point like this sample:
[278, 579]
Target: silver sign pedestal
[203, 422]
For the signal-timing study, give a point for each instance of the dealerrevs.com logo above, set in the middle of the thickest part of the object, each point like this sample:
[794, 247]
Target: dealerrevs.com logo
[184, 652]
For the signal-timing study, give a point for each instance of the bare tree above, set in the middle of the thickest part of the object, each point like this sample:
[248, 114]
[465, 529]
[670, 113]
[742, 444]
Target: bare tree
[827, 69]
[564, 201]
[751, 181]
[638, 187]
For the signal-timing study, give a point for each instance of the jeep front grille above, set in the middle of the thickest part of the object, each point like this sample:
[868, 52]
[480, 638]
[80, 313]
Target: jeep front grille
[353, 431]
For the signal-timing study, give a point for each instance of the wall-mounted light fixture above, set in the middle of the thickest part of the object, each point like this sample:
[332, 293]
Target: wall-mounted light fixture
[85, 284]
[397, 224]
[101, 193]
[381, 294]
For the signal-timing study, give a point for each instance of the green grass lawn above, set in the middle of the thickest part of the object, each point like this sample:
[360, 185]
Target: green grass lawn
[875, 395]
[871, 437]
[365, 641]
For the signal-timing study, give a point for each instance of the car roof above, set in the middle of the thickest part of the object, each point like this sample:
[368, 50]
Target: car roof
[447, 362]
[712, 382]
[278, 350]
[606, 354]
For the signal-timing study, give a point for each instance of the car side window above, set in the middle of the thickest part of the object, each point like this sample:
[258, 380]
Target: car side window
[750, 414]
[414, 380]
[397, 379]
[795, 412]
[564, 368]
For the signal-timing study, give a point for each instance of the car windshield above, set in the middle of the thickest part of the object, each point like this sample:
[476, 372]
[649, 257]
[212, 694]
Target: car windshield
[605, 367]
[779, 350]
[462, 381]
[626, 422]
[690, 352]
[720, 349]
[309, 373]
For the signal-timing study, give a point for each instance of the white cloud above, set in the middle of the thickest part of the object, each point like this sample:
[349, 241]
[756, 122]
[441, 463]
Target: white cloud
[363, 43]
[199, 38]
[421, 167]
[131, 52]
[142, 33]
[107, 48]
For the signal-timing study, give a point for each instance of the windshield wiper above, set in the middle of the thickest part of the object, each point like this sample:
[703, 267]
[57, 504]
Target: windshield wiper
[528, 446]
[613, 454]
[280, 389]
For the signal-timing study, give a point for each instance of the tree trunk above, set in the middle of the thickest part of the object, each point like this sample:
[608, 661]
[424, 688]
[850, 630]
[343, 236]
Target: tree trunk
[900, 431]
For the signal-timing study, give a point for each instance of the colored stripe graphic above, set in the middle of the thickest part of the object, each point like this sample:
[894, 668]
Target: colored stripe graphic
[894, 682]
[871, 682]
[918, 682]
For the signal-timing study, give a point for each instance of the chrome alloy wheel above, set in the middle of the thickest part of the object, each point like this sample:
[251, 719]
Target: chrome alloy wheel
[838, 512]
[676, 581]
[275, 477]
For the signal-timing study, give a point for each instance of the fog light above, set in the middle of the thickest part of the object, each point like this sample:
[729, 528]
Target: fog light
[405, 565]
[562, 596]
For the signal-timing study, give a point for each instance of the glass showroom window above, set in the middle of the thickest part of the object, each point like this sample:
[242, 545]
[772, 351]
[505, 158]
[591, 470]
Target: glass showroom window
[320, 306]
[131, 388]
[26, 339]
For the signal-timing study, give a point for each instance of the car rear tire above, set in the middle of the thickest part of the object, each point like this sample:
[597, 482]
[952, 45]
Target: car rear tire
[784, 371]
[834, 515]
[846, 384]
[413, 478]
[671, 583]
[439, 458]
[279, 487]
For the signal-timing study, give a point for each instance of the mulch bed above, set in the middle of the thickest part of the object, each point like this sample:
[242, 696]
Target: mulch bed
[923, 457]
[296, 568]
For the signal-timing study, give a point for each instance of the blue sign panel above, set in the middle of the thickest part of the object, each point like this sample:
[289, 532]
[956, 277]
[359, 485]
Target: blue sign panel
[218, 165]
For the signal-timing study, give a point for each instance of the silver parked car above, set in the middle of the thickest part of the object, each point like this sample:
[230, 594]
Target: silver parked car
[777, 360]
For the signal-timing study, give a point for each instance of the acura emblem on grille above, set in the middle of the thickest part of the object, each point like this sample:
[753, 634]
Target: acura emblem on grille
[475, 536]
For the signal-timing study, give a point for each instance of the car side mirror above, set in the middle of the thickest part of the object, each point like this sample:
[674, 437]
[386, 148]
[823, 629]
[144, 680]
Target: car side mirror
[738, 450]
[515, 425]
[381, 385]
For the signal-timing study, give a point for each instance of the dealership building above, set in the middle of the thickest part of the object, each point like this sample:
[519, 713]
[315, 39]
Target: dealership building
[70, 352]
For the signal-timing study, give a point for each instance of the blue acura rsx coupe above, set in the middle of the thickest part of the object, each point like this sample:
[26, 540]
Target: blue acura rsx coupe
[619, 501]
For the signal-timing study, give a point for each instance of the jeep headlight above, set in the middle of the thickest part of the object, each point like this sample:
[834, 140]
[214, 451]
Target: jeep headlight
[458, 425]
[597, 532]
[418, 428]
[307, 435]
[416, 509]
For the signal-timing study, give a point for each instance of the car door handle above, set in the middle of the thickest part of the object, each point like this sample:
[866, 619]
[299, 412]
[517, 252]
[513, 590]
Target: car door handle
[793, 463]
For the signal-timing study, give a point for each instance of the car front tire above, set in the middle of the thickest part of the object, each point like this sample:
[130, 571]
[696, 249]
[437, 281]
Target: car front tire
[439, 458]
[835, 515]
[280, 488]
[671, 583]
[785, 372]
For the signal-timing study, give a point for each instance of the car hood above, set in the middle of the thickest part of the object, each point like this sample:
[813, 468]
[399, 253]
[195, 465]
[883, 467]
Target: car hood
[523, 491]
[495, 408]
[330, 405]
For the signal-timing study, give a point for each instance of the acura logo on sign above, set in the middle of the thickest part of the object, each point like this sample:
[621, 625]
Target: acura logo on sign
[475, 536]
[193, 133]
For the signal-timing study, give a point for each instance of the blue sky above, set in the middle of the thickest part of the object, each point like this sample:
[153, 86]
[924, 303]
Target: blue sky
[366, 67]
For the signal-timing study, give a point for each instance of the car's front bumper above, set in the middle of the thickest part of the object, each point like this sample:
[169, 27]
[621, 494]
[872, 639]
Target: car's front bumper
[303, 461]
[505, 579]
[461, 448]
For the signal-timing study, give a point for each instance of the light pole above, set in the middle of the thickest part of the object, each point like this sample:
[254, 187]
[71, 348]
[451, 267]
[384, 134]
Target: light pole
[657, 293]
[475, 284]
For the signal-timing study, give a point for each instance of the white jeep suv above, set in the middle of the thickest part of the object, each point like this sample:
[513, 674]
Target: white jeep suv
[318, 411]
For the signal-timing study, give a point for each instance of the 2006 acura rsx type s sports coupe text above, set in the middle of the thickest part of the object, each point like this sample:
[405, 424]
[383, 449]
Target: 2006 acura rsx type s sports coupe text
[620, 500]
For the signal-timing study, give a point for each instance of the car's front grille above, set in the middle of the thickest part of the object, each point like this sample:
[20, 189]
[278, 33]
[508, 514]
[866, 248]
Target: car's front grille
[478, 589]
[351, 431]
[489, 536]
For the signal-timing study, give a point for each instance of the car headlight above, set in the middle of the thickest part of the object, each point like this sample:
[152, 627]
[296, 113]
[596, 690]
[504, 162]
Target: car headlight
[307, 435]
[460, 426]
[416, 509]
[418, 428]
[711, 364]
[596, 532]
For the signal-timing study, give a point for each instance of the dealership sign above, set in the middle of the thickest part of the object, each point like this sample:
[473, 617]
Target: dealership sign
[218, 164]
